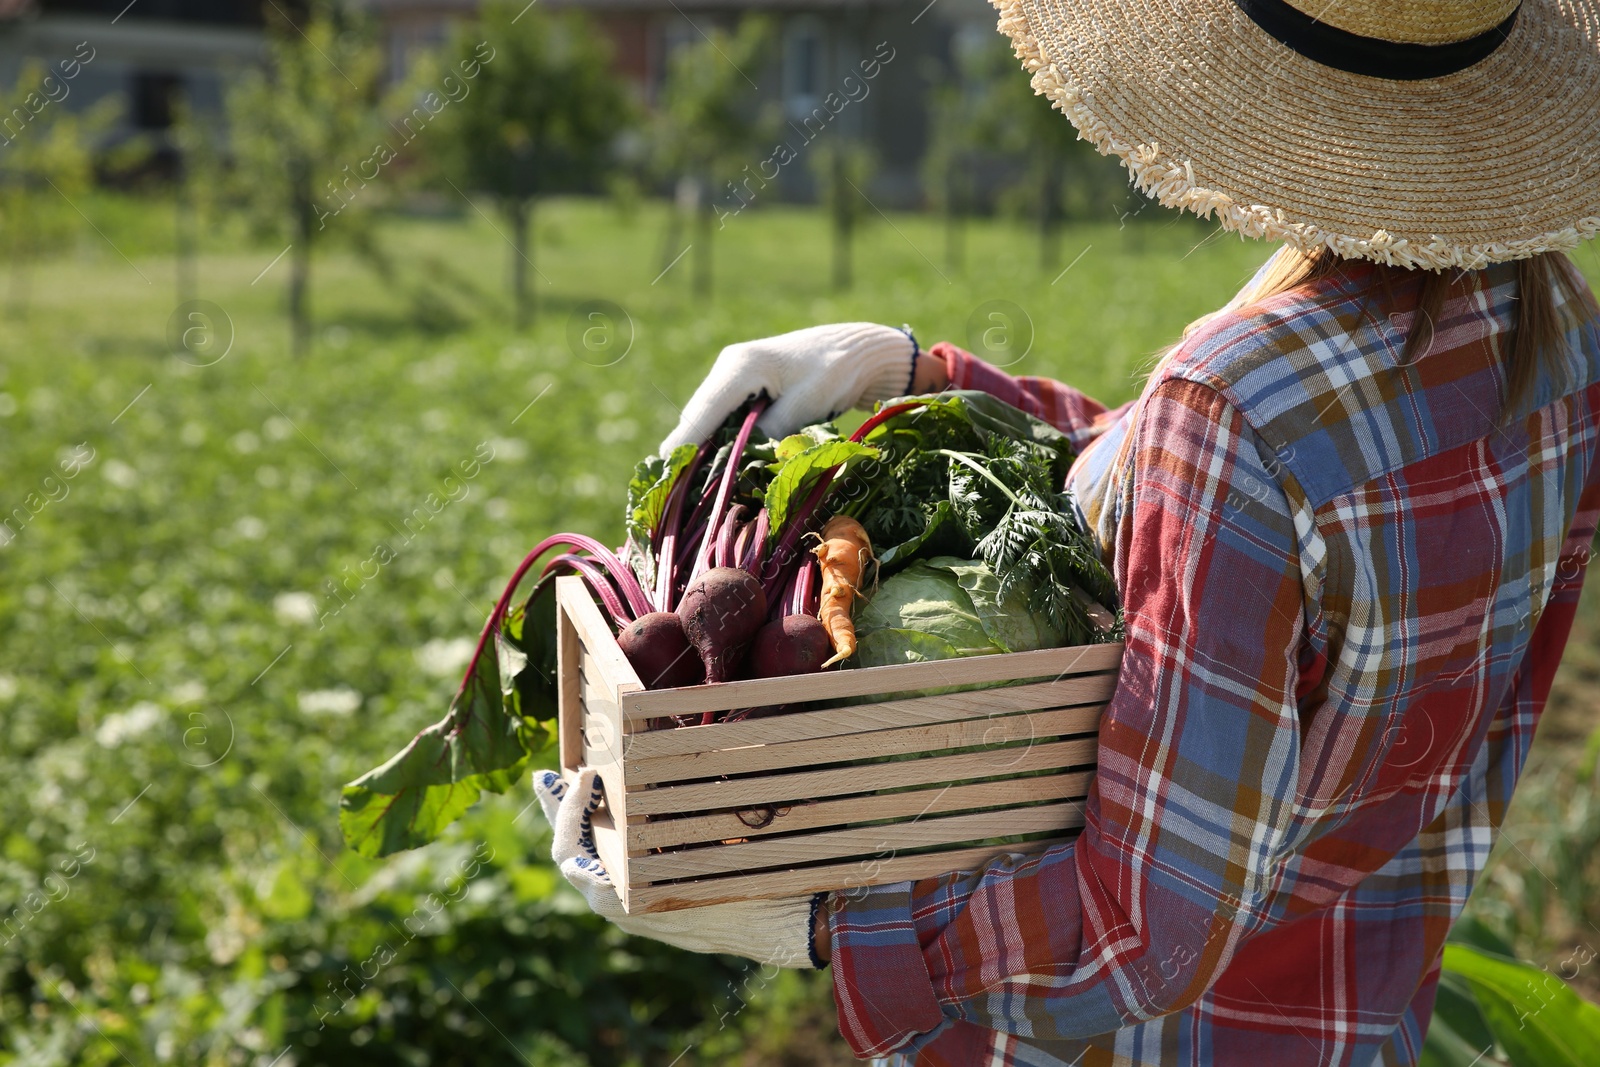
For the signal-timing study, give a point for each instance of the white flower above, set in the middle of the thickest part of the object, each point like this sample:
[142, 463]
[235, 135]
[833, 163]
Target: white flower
[295, 608]
[445, 658]
[250, 528]
[508, 448]
[246, 442]
[277, 428]
[187, 693]
[340, 701]
[120, 474]
[119, 726]
[612, 431]
[8, 687]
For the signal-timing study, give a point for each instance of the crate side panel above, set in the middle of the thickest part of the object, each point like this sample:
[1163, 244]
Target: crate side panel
[856, 718]
[987, 730]
[810, 785]
[873, 681]
[606, 663]
[837, 877]
[863, 843]
[569, 696]
[934, 800]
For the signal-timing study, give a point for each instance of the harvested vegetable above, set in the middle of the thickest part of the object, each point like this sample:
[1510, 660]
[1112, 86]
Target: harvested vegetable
[714, 551]
[944, 608]
[659, 651]
[794, 644]
[721, 612]
[843, 556]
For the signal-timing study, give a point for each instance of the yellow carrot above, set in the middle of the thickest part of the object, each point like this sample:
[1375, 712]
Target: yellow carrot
[842, 557]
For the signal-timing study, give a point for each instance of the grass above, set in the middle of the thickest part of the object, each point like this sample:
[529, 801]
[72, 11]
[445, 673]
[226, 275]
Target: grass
[201, 650]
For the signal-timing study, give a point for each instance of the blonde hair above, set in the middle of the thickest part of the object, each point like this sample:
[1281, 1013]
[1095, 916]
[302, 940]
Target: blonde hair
[1549, 303]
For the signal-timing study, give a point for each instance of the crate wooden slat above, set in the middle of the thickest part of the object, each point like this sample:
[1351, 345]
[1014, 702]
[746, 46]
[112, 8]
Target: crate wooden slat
[869, 783]
[696, 829]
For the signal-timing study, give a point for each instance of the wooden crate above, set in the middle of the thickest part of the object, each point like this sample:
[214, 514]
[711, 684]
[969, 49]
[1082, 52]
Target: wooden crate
[786, 805]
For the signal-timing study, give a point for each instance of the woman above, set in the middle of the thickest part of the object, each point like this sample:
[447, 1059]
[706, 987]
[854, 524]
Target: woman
[1349, 517]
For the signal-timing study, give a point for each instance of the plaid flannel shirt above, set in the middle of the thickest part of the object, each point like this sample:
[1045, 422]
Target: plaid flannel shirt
[1347, 584]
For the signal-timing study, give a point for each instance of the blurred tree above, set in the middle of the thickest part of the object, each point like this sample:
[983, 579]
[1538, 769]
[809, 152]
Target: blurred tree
[987, 114]
[958, 112]
[310, 113]
[46, 166]
[542, 116]
[709, 127]
[1030, 127]
[843, 167]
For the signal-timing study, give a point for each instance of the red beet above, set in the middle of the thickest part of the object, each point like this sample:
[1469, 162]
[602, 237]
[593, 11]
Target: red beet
[660, 653]
[794, 644]
[721, 611]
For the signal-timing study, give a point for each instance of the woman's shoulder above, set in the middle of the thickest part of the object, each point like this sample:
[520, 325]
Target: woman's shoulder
[1254, 353]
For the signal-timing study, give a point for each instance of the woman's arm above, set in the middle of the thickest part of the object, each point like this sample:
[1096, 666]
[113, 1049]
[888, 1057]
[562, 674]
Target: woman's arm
[1198, 760]
[1080, 417]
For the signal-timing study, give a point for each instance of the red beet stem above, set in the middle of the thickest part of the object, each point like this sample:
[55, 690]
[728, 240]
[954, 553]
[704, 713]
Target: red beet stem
[499, 611]
[599, 581]
[881, 417]
[751, 559]
[728, 535]
[805, 589]
[730, 475]
[665, 538]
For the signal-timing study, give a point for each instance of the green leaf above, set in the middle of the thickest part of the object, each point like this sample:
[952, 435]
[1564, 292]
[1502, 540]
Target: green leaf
[649, 488]
[941, 530]
[532, 626]
[921, 613]
[799, 473]
[479, 745]
[1536, 1019]
[1006, 619]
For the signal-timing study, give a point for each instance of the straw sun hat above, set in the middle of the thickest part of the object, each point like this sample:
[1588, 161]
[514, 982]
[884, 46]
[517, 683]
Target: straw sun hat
[1421, 133]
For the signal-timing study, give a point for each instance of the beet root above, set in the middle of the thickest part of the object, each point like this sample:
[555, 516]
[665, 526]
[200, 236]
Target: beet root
[794, 644]
[660, 652]
[721, 612]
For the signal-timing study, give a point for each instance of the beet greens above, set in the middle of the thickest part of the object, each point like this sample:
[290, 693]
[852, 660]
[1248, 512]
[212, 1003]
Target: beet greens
[959, 473]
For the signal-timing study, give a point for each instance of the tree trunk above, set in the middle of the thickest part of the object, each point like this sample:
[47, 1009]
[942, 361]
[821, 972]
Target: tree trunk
[184, 240]
[1050, 213]
[842, 224]
[300, 262]
[520, 214]
[955, 249]
[702, 256]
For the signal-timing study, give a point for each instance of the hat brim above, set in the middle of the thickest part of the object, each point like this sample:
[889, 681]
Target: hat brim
[1496, 162]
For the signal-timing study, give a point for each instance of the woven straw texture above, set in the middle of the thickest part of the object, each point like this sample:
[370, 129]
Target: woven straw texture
[1210, 114]
[1410, 21]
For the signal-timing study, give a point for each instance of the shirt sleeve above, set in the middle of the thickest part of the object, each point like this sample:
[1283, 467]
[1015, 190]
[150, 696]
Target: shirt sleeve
[1080, 417]
[1189, 810]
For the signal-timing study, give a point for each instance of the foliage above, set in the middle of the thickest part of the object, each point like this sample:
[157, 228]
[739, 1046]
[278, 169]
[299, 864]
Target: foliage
[988, 113]
[706, 129]
[206, 577]
[45, 167]
[843, 169]
[541, 119]
[1492, 1008]
[300, 130]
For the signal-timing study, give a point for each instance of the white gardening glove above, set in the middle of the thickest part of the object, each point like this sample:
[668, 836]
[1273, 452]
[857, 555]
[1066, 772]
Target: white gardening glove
[811, 375]
[767, 931]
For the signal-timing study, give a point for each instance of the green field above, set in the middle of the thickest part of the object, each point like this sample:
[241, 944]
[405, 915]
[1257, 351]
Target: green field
[182, 693]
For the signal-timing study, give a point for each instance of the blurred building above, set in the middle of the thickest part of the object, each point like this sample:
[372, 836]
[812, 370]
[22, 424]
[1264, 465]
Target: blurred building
[142, 52]
[821, 43]
[148, 53]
